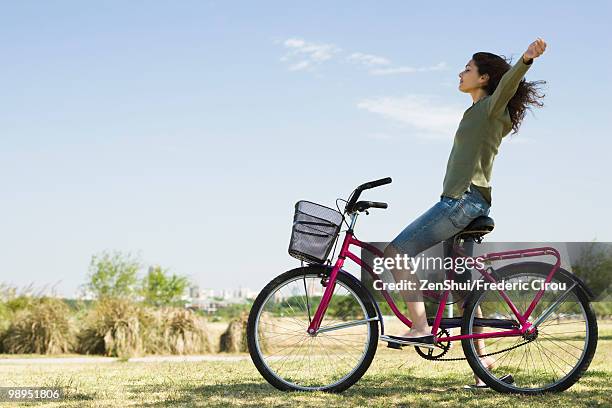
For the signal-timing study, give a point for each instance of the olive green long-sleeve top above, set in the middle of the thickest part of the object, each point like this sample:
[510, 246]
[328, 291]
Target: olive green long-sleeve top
[479, 135]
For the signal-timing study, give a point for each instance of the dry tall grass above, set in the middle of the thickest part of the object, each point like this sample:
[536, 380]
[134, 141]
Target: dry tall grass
[121, 328]
[111, 326]
[43, 327]
[178, 331]
[234, 339]
[5, 321]
[114, 327]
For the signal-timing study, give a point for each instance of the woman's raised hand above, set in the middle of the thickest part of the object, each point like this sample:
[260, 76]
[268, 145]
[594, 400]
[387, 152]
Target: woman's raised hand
[535, 49]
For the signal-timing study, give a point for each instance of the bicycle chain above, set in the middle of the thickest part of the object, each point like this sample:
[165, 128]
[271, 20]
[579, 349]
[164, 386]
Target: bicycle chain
[484, 355]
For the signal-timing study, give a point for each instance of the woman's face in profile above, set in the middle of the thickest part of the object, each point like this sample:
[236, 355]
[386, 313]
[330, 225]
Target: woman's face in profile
[469, 79]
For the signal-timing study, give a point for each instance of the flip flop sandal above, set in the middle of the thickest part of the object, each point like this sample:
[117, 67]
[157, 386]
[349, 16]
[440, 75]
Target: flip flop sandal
[508, 379]
[474, 386]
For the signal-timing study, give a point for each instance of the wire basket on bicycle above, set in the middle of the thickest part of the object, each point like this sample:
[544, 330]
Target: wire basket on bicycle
[315, 228]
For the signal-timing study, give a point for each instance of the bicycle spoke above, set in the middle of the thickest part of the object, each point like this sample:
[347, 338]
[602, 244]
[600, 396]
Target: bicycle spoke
[557, 345]
[312, 361]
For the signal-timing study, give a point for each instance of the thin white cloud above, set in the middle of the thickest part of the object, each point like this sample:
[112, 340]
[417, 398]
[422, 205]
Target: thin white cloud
[299, 66]
[407, 70]
[307, 54]
[304, 55]
[368, 59]
[424, 114]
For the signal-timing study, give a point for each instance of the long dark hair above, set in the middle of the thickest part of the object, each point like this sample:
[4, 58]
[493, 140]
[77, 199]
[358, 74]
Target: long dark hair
[526, 95]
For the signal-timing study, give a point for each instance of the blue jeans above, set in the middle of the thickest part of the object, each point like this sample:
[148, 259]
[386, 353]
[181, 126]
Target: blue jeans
[445, 219]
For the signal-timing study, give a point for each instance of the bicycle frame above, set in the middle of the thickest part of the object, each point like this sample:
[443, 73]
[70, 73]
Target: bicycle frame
[525, 325]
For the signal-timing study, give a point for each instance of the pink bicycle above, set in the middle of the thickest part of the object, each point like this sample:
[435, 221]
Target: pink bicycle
[317, 327]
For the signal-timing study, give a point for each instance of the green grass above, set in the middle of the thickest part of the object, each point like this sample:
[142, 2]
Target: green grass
[396, 378]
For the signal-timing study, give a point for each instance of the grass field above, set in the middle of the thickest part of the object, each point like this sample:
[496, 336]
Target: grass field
[396, 378]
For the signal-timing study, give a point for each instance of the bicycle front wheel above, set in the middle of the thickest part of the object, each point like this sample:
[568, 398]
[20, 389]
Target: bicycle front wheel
[291, 359]
[550, 359]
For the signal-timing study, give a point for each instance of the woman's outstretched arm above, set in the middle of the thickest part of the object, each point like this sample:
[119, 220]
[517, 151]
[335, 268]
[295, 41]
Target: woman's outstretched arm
[510, 80]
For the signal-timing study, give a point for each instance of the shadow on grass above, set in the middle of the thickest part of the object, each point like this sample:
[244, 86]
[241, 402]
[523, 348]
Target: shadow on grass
[604, 337]
[592, 390]
[79, 396]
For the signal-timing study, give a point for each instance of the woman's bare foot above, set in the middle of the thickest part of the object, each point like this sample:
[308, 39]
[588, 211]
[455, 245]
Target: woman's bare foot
[489, 363]
[420, 332]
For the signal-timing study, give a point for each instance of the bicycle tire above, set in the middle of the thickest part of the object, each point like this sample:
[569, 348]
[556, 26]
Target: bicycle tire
[542, 270]
[277, 282]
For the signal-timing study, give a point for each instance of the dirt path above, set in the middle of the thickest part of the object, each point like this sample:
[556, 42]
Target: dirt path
[98, 360]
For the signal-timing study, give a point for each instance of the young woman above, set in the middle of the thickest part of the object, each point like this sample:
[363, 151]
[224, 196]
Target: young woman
[500, 98]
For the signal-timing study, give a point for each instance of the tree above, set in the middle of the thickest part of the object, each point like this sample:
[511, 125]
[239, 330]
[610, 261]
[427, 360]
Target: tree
[159, 288]
[594, 267]
[113, 275]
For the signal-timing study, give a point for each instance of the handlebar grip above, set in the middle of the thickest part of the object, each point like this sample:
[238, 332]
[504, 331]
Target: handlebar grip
[376, 204]
[376, 183]
[364, 205]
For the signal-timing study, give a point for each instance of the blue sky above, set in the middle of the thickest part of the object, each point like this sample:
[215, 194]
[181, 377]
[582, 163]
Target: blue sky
[184, 132]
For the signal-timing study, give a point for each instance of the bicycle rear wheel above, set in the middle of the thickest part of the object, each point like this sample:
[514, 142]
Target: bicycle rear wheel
[552, 358]
[291, 359]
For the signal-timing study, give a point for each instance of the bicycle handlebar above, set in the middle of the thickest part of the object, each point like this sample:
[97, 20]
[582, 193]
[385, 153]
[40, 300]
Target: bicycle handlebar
[365, 205]
[365, 186]
[375, 183]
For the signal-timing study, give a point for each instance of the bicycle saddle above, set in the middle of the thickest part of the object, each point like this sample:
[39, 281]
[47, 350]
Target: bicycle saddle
[482, 225]
[478, 228]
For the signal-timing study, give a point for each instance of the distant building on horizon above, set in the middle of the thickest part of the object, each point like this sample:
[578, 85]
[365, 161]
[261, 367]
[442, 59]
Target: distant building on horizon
[210, 300]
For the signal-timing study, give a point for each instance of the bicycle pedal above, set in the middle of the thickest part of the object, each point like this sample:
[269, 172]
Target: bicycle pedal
[394, 345]
[390, 343]
[401, 343]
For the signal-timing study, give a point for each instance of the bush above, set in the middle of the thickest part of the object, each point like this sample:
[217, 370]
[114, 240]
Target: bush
[42, 327]
[178, 331]
[114, 327]
[4, 323]
[602, 309]
[233, 311]
[234, 339]
[5, 318]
